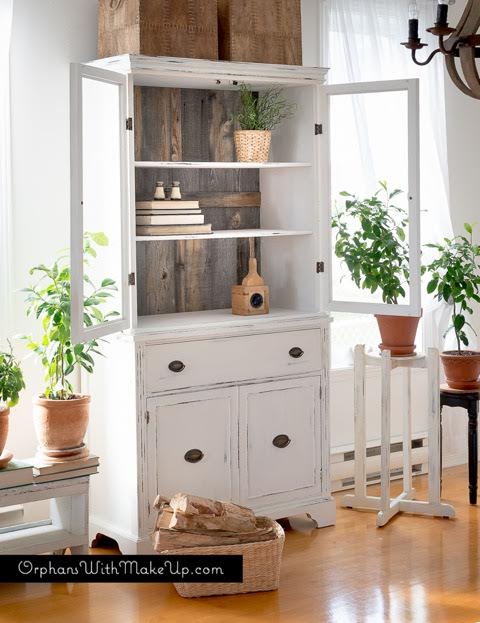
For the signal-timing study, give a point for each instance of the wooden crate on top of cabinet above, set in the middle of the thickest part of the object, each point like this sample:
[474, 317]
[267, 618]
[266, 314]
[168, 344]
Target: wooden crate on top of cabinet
[185, 28]
[261, 31]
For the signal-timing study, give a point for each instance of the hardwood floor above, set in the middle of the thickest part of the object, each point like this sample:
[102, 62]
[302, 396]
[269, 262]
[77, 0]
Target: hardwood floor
[416, 569]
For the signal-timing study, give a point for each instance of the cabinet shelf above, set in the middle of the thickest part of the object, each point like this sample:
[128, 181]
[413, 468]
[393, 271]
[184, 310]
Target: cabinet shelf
[151, 164]
[229, 233]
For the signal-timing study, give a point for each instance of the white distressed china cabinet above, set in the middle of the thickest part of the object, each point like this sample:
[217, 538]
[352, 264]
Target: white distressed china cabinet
[193, 398]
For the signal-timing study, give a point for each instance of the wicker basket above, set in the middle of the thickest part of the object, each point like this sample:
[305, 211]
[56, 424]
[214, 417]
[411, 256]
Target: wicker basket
[261, 566]
[252, 145]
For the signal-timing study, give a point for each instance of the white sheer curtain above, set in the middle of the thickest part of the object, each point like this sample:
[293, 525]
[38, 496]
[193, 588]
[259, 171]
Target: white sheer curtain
[6, 9]
[363, 44]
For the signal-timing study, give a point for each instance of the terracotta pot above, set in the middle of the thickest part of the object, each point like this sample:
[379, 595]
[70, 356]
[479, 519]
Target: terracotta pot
[462, 369]
[252, 145]
[4, 413]
[60, 426]
[398, 334]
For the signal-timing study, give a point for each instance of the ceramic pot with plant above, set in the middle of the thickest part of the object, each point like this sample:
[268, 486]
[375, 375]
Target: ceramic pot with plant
[370, 239]
[61, 415]
[260, 114]
[11, 384]
[455, 279]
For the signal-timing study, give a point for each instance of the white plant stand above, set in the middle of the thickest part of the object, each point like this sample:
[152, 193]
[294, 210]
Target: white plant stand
[387, 506]
[68, 523]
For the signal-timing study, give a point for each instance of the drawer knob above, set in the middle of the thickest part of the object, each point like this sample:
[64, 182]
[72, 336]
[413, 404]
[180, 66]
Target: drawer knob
[176, 366]
[295, 352]
[281, 441]
[193, 456]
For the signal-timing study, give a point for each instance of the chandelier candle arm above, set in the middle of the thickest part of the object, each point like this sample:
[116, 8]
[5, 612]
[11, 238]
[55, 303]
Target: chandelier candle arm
[461, 41]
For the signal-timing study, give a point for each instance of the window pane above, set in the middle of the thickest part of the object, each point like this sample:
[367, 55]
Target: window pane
[369, 144]
[102, 205]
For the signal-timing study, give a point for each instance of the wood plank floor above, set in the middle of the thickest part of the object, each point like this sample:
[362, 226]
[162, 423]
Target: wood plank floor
[416, 569]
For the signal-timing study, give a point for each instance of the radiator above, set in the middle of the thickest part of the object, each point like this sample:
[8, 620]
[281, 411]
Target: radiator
[342, 462]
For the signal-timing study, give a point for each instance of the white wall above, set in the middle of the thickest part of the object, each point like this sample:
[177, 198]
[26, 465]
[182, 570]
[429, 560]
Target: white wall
[463, 143]
[463, 135]
[47, 36]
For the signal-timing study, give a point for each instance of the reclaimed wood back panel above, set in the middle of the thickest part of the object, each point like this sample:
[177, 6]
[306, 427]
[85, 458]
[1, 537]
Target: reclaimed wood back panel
[193, 125]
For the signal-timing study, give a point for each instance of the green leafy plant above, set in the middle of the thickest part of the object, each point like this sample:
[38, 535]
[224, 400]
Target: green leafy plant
[49, 301]
[262, 111]
[11, 378]
[455, 278]
[370, 238]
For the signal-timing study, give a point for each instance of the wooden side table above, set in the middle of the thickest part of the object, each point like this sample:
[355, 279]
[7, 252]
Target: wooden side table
[68, 523]
[468, 400]
[387, 506]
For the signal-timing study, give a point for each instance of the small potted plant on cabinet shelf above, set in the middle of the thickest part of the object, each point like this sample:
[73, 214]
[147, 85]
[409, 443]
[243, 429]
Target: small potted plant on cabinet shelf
[370, 239]
[259, 115]
[11, 384]
[455, 278]
[60, 415]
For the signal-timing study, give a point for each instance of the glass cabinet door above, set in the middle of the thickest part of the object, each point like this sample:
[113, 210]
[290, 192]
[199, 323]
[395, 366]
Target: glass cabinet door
[99, 203]
[370, 180]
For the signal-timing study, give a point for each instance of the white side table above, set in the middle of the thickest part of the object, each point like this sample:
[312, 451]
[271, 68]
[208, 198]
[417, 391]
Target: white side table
[385, 504]
[68, 523]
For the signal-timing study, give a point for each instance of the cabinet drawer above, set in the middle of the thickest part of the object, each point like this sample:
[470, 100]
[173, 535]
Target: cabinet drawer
[279, 440]
[191, 441]
[204, 362]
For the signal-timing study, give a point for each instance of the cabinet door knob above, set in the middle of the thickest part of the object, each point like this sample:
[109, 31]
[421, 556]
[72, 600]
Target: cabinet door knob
[193, 456]
[281, 441]
[176, 366]
[295, 352]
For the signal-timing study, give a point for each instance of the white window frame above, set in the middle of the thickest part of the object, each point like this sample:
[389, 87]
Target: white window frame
[79, 332]
[413, 308]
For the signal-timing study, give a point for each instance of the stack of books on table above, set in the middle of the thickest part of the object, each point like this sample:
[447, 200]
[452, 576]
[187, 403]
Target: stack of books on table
[46, 472]
[172, 216]
[16, 474]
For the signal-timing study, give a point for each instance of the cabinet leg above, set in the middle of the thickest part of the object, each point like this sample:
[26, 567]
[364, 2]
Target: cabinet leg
[472, 451]
[79, 550]
[323, 514]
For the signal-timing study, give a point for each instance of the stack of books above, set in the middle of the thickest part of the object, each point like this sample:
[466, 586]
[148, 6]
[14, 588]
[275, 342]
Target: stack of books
[174, 216]
[46, 472]
[16, 474]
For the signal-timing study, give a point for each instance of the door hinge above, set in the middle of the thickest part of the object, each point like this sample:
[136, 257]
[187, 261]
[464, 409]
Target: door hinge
[129, 123]
[147, 416]
[131, 279]
[320, 267]
[318, 128]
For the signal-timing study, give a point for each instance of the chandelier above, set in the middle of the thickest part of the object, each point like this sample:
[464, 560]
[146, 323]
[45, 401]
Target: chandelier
[454, 43]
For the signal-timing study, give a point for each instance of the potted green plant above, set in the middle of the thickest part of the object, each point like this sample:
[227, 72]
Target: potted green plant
[370, 239]
[11, 384]
[260, 114]
[60, 415]
[455, 278]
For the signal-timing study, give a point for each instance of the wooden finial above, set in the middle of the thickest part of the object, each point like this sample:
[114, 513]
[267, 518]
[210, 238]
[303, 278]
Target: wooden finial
[253, 278]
